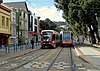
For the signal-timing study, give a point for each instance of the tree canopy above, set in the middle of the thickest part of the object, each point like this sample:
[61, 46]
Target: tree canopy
[81, 15]
[48, 24]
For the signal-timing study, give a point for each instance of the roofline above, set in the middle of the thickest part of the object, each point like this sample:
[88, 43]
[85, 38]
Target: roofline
[18, 2]
[5, 7]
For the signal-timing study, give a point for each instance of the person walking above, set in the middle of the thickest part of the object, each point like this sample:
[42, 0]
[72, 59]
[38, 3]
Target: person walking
[32, 43]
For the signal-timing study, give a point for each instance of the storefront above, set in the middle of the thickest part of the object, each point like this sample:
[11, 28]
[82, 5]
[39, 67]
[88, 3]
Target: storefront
[4, 39]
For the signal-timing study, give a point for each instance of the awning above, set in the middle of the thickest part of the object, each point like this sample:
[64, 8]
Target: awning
[5, 34]
[32, 33]
[12, 37]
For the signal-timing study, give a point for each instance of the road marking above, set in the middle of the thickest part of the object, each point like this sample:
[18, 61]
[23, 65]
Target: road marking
[37, 65]
[3, 62]
[13, 65]
[28, 65]
[8, 67]
[79, 65]
[61, 65]
[40, 65]
[39, 58]
[82, 68]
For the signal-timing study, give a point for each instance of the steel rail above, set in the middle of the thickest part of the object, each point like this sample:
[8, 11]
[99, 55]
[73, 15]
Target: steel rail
[73, 65]
[14, 69]
[54, 60]
[12, 58]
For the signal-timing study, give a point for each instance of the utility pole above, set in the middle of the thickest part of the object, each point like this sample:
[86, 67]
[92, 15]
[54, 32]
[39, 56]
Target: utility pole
[18, 24]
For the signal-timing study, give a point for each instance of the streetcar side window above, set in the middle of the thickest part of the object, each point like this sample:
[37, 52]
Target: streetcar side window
[60, 37]
[53, 37]
[57, 37]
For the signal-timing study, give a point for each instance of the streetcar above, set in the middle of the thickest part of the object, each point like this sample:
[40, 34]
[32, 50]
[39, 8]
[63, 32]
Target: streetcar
[50, 39]
[66, 38]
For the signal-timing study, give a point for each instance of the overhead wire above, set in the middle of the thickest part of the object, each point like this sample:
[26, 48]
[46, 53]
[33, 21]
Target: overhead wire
[29, 3]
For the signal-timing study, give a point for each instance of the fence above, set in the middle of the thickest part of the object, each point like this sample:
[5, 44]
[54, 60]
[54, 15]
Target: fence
[5, 49]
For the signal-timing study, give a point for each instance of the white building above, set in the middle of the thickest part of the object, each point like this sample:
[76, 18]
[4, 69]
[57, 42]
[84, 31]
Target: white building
[13, 26]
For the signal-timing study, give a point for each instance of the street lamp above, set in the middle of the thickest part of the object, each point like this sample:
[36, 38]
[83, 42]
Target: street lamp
[18, 24]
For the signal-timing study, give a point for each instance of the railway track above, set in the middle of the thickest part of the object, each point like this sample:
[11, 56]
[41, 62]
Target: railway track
[59, 59]
[14, 63]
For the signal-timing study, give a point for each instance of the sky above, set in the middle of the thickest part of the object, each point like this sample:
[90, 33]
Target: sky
[42, 8]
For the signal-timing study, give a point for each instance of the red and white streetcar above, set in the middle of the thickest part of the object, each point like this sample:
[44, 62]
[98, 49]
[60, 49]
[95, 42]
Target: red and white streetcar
[50, 39]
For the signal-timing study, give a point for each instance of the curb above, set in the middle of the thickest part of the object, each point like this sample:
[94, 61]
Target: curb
[88, 62]
[80, 55]
[78, 51]
[18, 55]
[83, 59]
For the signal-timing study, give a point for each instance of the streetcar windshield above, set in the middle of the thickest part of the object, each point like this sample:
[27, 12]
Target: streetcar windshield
[47, 36]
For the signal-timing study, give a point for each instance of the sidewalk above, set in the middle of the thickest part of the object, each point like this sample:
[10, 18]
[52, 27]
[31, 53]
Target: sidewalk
[88, 53]
[98, 46]
[18, 53]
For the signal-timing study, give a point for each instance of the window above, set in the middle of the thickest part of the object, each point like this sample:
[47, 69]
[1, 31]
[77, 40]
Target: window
[53, 37]
[20, 13]
[24, 15]
[3, 21]
[35, 21]
[7, 22]
[20, 24]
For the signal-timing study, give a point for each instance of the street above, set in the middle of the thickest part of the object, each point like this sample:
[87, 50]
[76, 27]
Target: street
[59, 59]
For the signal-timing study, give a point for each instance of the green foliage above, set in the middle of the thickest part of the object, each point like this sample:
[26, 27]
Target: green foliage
[80, 14]
[22, 38]
[48, 24]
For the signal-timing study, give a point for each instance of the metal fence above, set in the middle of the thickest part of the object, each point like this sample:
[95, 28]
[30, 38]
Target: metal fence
[5, 49]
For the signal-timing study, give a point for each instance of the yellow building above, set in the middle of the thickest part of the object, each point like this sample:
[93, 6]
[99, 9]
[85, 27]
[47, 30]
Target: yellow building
[4, 24]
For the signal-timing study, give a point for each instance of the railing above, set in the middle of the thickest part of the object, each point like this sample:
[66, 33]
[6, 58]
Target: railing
[5, 49]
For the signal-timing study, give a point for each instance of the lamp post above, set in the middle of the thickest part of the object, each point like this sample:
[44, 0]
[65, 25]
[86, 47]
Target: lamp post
[18, 24]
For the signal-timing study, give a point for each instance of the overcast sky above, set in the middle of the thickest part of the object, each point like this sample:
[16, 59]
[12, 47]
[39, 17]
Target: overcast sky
[43, 8]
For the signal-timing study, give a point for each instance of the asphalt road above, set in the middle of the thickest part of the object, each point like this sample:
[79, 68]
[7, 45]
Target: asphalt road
[59, 59]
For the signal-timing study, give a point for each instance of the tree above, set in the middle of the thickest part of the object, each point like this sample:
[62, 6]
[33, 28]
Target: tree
[48, 24]
[80, 14]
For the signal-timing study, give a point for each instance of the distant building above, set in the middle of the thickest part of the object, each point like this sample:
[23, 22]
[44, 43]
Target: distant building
[4, 24]
[33, 27]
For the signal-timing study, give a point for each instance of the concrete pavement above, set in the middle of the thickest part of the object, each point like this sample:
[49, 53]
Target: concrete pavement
[88, 53]
[85, 51]
[18, 53]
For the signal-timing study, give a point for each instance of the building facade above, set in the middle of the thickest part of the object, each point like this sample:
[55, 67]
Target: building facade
[33, 27]
[21, 7]
[4, 24]
[13, 27]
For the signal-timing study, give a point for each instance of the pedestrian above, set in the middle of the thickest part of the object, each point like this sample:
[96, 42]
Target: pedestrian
[32, 43]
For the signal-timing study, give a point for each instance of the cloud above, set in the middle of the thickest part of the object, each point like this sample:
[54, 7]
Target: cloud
[44, 11]
[47, 12]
